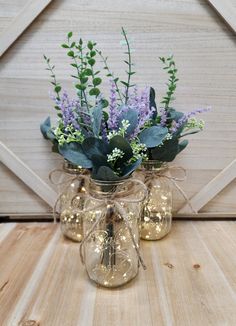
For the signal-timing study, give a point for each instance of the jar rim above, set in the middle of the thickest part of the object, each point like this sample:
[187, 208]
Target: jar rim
[154, 164]
[110, 182]
[73, 169]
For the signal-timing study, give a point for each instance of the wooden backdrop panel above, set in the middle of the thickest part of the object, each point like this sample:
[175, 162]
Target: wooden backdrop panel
[8, 11]
[204, 49]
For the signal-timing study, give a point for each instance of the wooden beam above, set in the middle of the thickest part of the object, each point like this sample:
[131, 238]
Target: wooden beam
[226, 10]
[211, 189]
[27, 15]
[29, 177]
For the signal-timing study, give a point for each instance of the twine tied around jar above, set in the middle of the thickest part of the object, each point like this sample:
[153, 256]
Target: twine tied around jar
[114, 200]
[149, 175]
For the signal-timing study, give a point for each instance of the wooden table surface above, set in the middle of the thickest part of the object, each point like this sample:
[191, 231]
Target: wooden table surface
[191, 279]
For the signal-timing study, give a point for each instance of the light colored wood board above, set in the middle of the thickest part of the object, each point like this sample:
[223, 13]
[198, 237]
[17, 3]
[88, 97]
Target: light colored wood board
[73, 290]
[224, 198]
[189, 280]
[193, 279]
[17, 197]
[9, 10]
[5, 229]
[19, 253]
[177, 26]
[216, 185]
[220, 249]
[226, 10]
[30, 11]
[141, 302]
[30, 178]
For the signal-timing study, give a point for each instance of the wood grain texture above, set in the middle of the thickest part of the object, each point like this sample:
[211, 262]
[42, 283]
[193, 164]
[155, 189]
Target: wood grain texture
[226, 10]
[190, 280]
[29, 12]
[29, 177]
[204, 48]
[224, 178]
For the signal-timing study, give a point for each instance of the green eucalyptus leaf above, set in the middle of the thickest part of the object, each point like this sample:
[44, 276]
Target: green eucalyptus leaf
[57, 89]
[45, 127]
[128, 169]
[99, 160]
[71, 53]
[88, 72]
[55, 146]
[190, 133]
[83, 79]
[174, 115]
[167, 152]
[81, 87]
[105, 173]
[73, 152]
[94, 91]
[91, 61]
[152, 102]
[122, 144]
[182, 145]
[104, 102]
[97, 81]
[74, 65]
[97, 115]
[90, 45]
[94, 146]
[153, 136]
[92, 53]
[124, 83]
[132, 116]
[105, 116]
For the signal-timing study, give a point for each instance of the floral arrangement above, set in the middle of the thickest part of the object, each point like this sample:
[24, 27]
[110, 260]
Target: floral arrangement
[175, 125]
[113, 136]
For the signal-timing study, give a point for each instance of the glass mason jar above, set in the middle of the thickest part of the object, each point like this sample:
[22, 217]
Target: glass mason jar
[156, 218]
[72, 188]
[112, 235]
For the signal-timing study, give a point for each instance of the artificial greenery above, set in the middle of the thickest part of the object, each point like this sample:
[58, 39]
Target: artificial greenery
[111, 137]
[176, 124]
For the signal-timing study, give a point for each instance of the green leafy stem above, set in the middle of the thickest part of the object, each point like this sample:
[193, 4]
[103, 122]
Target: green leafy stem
[169, 65]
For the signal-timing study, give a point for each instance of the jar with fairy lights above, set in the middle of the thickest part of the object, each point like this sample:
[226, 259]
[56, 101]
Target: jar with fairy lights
[110, 248]
[72, 188]
[156, 217]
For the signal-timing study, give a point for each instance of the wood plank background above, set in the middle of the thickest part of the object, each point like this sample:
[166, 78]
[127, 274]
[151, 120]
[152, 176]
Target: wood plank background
[190, 280]
[204, 48]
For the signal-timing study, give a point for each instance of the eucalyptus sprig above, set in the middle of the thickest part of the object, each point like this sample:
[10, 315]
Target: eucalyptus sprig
[169, 65]
[84, 61]
[130, 72]
[57, 87]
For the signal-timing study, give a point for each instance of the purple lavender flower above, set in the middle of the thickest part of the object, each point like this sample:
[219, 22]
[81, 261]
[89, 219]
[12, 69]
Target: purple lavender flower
[142, 105]
[104, 131]
[69, 110]
[176, 125]
[163, 117]
[113, 109]
[133, 99]
[86, 118]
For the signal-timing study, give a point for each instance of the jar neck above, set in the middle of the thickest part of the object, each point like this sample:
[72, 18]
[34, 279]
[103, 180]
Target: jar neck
[154, 165]
[106, 189]
[73, 169]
